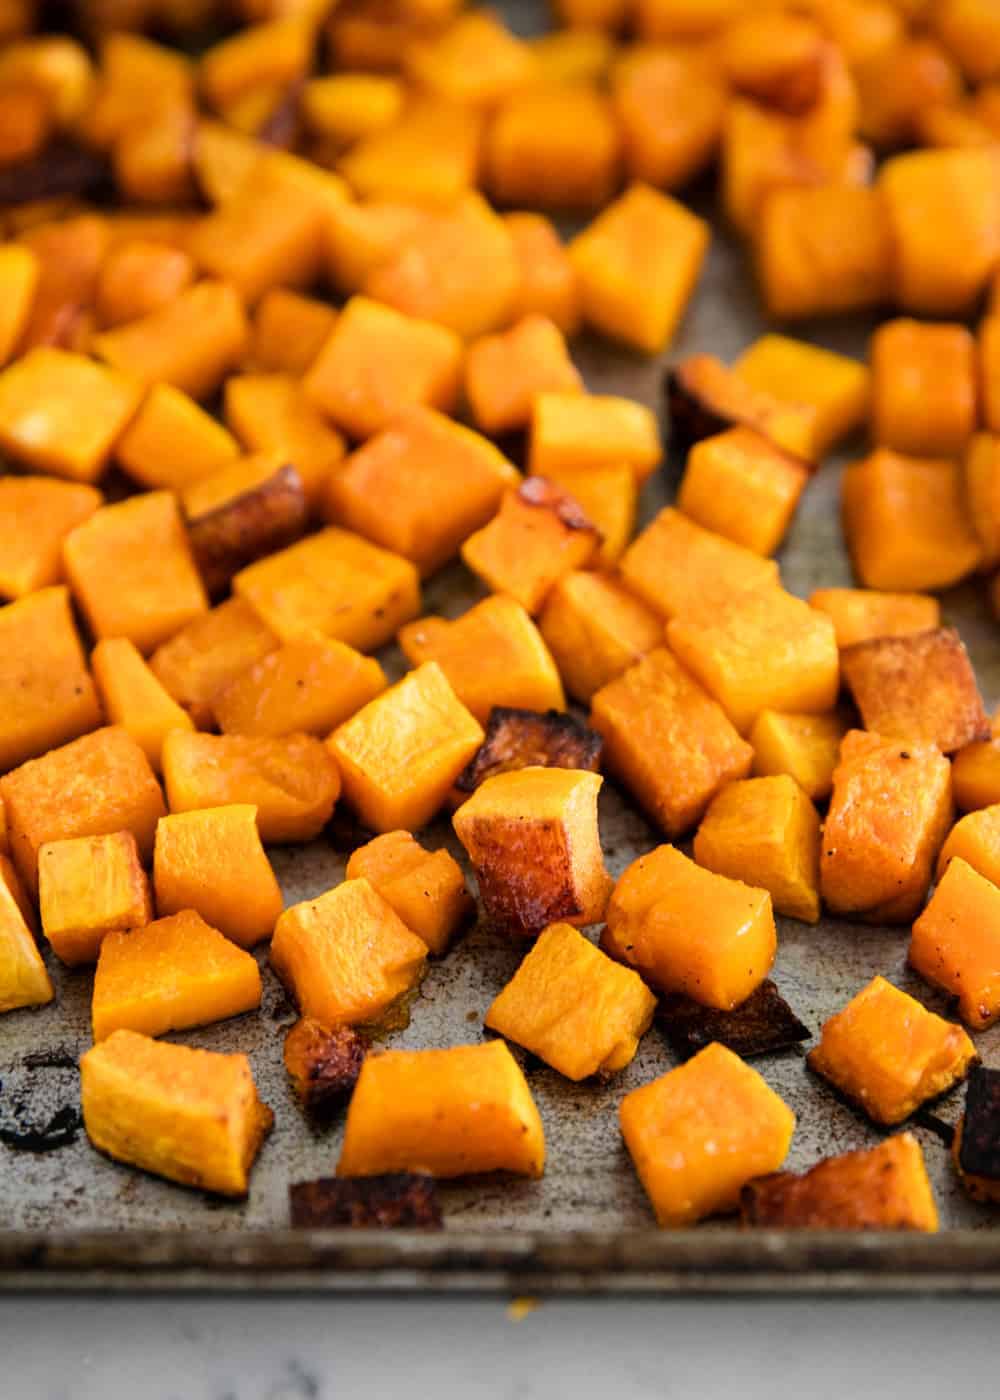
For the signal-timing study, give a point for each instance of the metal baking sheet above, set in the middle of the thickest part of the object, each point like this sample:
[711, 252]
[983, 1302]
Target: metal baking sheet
[72, 1218]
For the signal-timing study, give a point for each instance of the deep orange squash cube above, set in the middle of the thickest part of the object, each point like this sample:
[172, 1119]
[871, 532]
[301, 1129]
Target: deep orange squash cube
[474, 60]
[806, 747]
[553, 146]
[306, 687]
[976, 839]
[88, 886]
[976, 775]
[924, 391]
[670, 103]
[134, 698]
[955, 943]
[596, 629]
[19, 273]
[344, 107]
[172, 441]
[426, 888]
[836, 387]
[547, 283]
[430, 155]
[609, 497]
[138, 277]
[289, 330]
[36, 515]
[739, 485]
[590, 430]
[503, 373]
[862, 614]
[982, 492]
[272, 413]
[213, 649]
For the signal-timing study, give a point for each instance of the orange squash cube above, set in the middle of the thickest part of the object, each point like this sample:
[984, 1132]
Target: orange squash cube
[699, 1133]
[970, 30]
[670, 104]
[573, 1007]
[742, 487]
[272, 413]
[289, 330]
[209, 652]
[425, 888]
[836, 387]
[346, 957]
[139, 277]
[19, 273]
[686, 20]
[590, 430]
[596, 629]
[905, 523]
[474, 60]
[445, 1112]
[23, 978]
[609, 498]
[379, 361]
[572, 55]
[360, 237]
[955, 943]
[504, 373]
[776, 58]
[547, 283]
[705, 397]
[172, 442]
[308, 687]
[976, 776]
[429, 156]
[888, 1054]
[88, 886]
[924, 394]
[888, 817]
[491, 655]
[553, 146]
[345, 107]
[134, 698]
[667, 740]
[420, 487]
[901, 84]
[637, 266]
[976, 839]
[69, 252]
[761, 152]
[260, 54]
[862, 614]
[989, 372]
[46, 694]
[806, 747]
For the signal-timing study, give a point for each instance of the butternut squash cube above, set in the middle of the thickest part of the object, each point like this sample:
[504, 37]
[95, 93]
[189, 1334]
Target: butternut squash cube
[596, 629]
[670, 103]
[976, 839]
[138, 277]
[247, 509]
[775, 58]
[864, 614]
[982, 493]
[547, 283]
[924, 393]
[650, 916]
[976, 775]
[36, 515]
[532, 837]
[491, 655]
[131, 570]
[23, 978]
[308, 686]
[334, 583]
[170, 975]
[430, 155]
[905, 523]
[553, 146]
[260, 54]
[526, 739]
[888, 1054]
[46, 693]
[346, 957]
[323, 1065]
[272, 413]
[573, 1007]
[474, 60]
[590, 430]
[970, 30]
[888, 817]
[699, 1133]
[637, 266]
[688, 19]
[425, 888]
[61, 413]
[190, 1115]
[504, 373]
[289, 330]
[955, 944]
[134, 698]
[88, 886]
[292, 780]
[345, 107]
[360, 237]
[210, 651]
[420, 487]
[705, 397]
[572, 55]
[741, 486]
[836, 387]
[445, 1112]
[806, 747]
[69, 252]
[19, 272]
[172, 441]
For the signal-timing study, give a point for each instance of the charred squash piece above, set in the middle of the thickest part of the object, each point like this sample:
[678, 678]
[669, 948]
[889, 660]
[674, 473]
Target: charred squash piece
[88, 886]
[323, 1064]
[976, 1145]
[955, 943]
[426, 888]
[705, 397]
[526, 739]
[390, 1201]
[761, 1025]
[244, 510]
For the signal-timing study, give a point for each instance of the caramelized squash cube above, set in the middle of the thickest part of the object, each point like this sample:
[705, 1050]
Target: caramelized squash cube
[742, 487]
[272, 413]
[974, 1149]
[888, 1054]
[806, 747]
[323, 1065]
[210, 651]
[836, 387]
[23, 978]
[596, 629]
[762, 1024]
[134, 698]
[390, 1200]
[670, 103]
[289, 330]
[547, 283]
[504, 373]
[430, 155]
[425, 888]
[139, 277]
[526, 739]
[553, 146]
[609, 497]
[699, 1133]
[88, 886]
[705, 397]
[172, 441]
[308, 686]
[246, 509]
[924, 394]
[776, 58]
[976, 839]
[901, 84]
[863, 614]
[580, 431]
[955, 944]
[36, 515]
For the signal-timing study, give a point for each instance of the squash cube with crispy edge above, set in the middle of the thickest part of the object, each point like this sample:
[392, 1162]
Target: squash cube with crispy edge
[888, 1054]
[955, 943]
[46, 693]
[429, 156]
[924, 391]
[573, 1007]
[762, 1024]
[36, 515]
[767, 830]
[272, 413]
[658, 903]
[400, 754]
[670, 103]
[173, 441]
[420, 487]
[212, 861]
[334, 583]
[210, 651]
[289, 330]
[533, 841]
[474, 60]
[323, 1064]
[23, 978]
[637, 265]
[547, 283]
[976, 839]
[88, 886]
[975, 1148]
[539, 535]
[705, 397]
[425, 888]
[591, 430]
[190, 1115]
[346, 957]
[527, 739]
[450, 1112]
[885, 1187]
[862, 614]
[62, 413]
[767, 651]
[743, 487]
[378, 361]
[308, 686]
[390, 1200]
[134, 698]
[504, 373]
[609, 497]
[835, 386]
[806, 747]
[699, 1133]
[170, 975]
[553, 146]
[981, 469]
[492, 655]
[921, 686]
[888, 817]
[19, 274]
[292, 780]
[596, 629]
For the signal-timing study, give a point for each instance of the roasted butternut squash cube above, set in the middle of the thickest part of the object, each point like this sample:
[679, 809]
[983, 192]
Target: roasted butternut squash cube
[425, 888]
[905, 523]
[289, 330]
[134, 698]
[272, 413]
[667, 740]
[596, 629]
[553, 146]
[775, 58]
[580, 431]
[976, 775]
[46, 693]
[955, 944]
[504, 373]
[491, 655]
[970, 30]
[172, 441]
[420, 487]
[346, 957]
[334, 583]
[888, 817]
[474, 60]
[323, 1065]
[888, 1054]
[976, 839]
[768, 830]
[742, 487]
[573, 1007]
[924, 393]
[249, 508]
[982, 492]
[292, 780]
[278, 51]
[688, 19]
[170, 975]
[36, 515]
[974, 1146]
[131, 570]
[139, 277]
[609, 497]
[430, 155]
[649, 924]
[699, 1133]
[190, 1115]
[308, 686]
[23, 978]
[863, 614]
[806, 747]
[210, 651]
[448, 1112]
[359, 237]
[920, 687]
[836, 387]
[88, 886]
[344, 107]
[69, 252]
[547, 284]
[19, 273]
[637, 266]
[705, 397]
[526, 739]
[670, 102]
[568, 55]
[885, 1187]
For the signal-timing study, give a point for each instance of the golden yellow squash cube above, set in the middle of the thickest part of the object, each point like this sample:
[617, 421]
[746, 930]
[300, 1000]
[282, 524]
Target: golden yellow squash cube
[596, 629]
[426, 888]
[742, 487]
[590, 430]
[135, 698]
[36, 515]
[806, 747]
[23, 978]
[87, 886]
[976, 839]
[834, 385]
